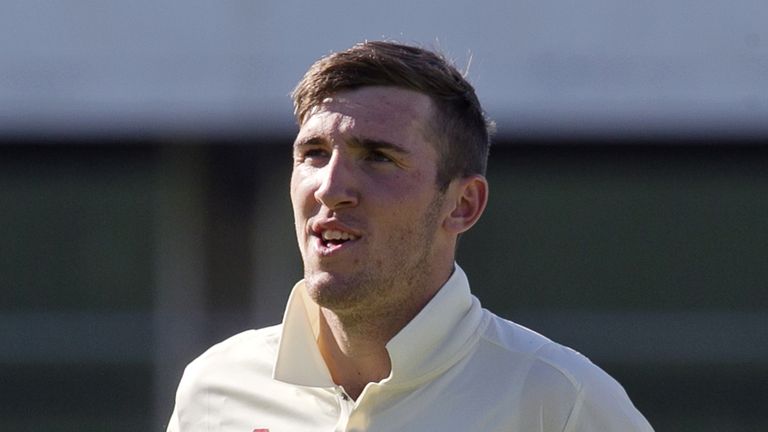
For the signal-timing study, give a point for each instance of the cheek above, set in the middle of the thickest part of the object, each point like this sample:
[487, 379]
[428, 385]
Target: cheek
[300, 217]
[301, 192]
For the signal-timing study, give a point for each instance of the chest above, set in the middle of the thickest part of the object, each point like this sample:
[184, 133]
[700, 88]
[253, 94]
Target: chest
[263, 404]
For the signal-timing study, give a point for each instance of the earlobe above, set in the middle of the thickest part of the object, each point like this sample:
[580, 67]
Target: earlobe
[470, 198]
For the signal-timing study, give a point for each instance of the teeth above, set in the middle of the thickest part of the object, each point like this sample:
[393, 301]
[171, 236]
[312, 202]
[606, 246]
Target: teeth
[337, 235]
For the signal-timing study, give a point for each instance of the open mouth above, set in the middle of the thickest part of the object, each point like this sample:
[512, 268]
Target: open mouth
[333, 239]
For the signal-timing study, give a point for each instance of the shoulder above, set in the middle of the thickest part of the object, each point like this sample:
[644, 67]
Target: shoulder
[221, 381]
[251, 352]
[541, 354]
[245, 344]
[559, 380]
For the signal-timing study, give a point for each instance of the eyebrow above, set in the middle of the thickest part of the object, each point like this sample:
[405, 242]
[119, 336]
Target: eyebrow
[314, 141]
[373, 144]
[364, 143]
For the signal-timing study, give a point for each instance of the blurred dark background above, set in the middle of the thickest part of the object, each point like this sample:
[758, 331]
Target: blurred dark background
[144, 209]
[122, 262]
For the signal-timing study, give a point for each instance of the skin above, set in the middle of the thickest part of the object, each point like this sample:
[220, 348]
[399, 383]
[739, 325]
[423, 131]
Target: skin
[365, 169]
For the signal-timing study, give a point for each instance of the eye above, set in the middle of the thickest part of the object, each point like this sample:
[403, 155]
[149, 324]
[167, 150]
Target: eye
[312, 155]
[315, 152]
[378, 156]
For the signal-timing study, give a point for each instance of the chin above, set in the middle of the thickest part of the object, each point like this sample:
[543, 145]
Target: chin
[334, 292]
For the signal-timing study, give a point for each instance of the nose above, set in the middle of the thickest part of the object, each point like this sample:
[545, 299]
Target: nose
[338, 186]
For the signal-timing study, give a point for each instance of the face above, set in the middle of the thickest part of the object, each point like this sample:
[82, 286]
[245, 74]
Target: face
[366, 204]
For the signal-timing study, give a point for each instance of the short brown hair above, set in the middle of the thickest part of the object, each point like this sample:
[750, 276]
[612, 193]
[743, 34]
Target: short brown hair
[459, 126]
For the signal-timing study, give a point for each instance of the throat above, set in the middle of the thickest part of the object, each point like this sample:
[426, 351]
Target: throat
[353, 359]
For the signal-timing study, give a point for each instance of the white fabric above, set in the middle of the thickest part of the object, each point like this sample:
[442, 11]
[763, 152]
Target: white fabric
[455, 367]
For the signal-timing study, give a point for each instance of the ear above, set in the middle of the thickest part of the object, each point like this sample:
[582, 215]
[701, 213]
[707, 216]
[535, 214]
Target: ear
[470, 196]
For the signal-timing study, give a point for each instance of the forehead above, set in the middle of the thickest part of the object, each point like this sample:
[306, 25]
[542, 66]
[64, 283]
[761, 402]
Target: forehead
[389, 113]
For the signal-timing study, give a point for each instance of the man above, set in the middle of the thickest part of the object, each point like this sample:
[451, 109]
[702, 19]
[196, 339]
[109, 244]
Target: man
[382, 334]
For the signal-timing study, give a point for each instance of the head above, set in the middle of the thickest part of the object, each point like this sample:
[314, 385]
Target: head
[387, 173]
[458, 128]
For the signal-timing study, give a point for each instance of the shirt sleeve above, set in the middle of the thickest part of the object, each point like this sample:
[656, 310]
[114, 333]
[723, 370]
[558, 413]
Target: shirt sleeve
[605, 409]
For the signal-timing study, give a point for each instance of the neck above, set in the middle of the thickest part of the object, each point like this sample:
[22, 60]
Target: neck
[353, 343]
[355, 352]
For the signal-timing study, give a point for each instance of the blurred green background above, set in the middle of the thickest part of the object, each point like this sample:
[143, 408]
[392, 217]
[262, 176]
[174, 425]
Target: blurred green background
[144, 210]
[122, 261]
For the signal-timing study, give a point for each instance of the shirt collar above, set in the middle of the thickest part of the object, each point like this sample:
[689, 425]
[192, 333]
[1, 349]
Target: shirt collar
[434, 340]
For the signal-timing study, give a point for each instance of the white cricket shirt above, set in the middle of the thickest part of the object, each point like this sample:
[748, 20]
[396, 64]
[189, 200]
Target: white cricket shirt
[455, 367]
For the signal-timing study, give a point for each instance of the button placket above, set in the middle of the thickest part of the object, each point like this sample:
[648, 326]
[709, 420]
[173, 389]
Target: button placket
[346, 405]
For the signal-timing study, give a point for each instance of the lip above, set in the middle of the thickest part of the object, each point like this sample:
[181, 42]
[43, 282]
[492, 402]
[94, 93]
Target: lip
[324, 248]
[319, 225]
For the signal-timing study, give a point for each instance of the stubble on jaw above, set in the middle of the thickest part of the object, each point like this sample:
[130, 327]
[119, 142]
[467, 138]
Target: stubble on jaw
[394, 291]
